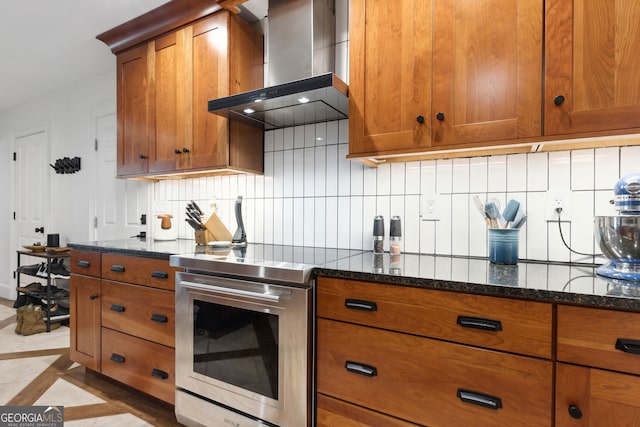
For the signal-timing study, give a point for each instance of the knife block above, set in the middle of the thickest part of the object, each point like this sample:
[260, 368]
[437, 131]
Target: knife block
[214, 230]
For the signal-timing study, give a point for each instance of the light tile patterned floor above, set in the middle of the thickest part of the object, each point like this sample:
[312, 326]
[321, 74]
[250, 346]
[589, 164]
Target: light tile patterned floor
[36, 370]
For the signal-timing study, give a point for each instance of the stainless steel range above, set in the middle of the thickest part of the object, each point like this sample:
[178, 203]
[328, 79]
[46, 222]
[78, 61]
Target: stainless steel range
[243, 336]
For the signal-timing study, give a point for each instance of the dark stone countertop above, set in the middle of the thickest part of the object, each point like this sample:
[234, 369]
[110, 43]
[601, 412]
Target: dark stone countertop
[547, 282]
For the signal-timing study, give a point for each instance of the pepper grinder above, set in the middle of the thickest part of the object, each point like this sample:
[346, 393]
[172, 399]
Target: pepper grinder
[378, 234]
[395, 236]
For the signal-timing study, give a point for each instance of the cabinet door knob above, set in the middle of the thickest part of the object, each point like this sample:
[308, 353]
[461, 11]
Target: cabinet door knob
[575, 412]
[142, 156]
[185, 150]
[440, 116]
[558, 100]
[92, 297]
[420, 119]
[177, 151]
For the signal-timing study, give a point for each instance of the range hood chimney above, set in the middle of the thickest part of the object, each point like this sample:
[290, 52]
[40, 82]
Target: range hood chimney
[301, 86]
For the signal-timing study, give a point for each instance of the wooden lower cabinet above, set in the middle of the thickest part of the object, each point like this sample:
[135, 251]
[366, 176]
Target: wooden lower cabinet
[431, 382]
[123, 319]
[333, 412]
[84, 320]
[144, 365]
[594, 397]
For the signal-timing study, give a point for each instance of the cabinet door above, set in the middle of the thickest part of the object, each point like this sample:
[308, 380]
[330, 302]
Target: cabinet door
[168, 143]
[389, 76]
[592, 62]
[487, 71]
[133, 118]
[210, 75]
[84, 322]
[592, 397]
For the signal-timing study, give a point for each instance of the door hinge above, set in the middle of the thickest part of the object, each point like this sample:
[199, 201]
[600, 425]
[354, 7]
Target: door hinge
[15, 156]
[95, 222]
[95, 146]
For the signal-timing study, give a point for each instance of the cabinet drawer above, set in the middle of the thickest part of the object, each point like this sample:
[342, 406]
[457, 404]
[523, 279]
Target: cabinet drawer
[602, 338]
[333, 412]
[140, 311]
[141, 364]
[139, 270]
[429, 381]
[499, 323]
[85, 262]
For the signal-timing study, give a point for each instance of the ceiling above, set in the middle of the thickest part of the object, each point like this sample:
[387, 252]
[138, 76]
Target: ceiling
[50, 44]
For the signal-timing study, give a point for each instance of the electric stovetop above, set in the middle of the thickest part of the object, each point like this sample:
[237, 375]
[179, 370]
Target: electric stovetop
[279, 263]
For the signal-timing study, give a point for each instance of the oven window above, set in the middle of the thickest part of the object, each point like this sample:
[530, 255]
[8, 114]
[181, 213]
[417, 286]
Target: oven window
[236, 346]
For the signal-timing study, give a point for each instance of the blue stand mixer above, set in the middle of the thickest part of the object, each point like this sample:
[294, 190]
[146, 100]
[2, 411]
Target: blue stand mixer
[619, 235]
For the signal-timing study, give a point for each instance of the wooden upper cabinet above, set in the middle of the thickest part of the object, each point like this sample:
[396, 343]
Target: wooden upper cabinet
[133, 111]
[478, 81]
[389, 76]
[591, 66]
[168, 140]
[164, 123]
[487, 71]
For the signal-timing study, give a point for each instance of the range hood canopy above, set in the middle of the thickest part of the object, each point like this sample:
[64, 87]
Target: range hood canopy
[300, 39]
[315, 99]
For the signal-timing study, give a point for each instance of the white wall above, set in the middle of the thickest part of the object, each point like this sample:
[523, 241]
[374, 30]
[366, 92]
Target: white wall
[67, 114]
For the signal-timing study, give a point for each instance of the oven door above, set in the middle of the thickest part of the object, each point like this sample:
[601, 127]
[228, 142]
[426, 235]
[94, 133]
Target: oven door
[244, 346]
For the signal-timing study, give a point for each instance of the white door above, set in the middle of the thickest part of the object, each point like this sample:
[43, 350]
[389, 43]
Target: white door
[32, 193]
[119, 202]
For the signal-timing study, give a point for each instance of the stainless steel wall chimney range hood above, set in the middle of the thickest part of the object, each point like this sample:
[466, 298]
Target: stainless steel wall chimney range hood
[302, 88]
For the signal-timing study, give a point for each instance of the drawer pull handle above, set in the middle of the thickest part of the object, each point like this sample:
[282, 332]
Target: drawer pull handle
[159, 374]
[479, 399]
[159, 274]
[93, 296]
[628, 346]
[357, 304]
[479, 323]
[117, 268]
[160, 318]
[83, 264]
[117, 307]
[360, 368]
[117, 358]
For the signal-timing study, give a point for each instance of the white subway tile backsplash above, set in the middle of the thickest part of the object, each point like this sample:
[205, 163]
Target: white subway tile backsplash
[629, 160]
[497, 173]
[582, 170]
[478, 175]
[444, 179]
[460, 178]
[311, 194]
[560, 170]
[517, 172]
[537, 171]
[608, 170]
[398, 184]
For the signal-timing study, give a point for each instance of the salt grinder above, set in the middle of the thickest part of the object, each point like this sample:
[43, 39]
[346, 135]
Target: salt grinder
[378, 234]
[395, 236]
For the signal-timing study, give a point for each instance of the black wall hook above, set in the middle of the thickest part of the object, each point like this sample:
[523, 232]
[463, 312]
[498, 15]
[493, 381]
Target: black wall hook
[67, 165]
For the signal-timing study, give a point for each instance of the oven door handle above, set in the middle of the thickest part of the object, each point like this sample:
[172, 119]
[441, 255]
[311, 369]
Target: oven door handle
[230, 291]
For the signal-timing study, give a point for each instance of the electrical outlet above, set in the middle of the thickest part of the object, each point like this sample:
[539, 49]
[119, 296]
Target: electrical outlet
[430, 207]
[558, 199]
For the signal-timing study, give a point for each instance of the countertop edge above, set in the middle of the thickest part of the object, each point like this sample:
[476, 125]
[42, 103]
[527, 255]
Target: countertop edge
[536, 295]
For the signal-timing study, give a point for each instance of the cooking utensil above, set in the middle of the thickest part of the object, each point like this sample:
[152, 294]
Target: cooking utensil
[510, 212]
[519, 222]
[480, 207]
[492, 211]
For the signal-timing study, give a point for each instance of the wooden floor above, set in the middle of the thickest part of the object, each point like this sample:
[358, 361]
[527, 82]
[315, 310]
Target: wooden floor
[119, 398]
